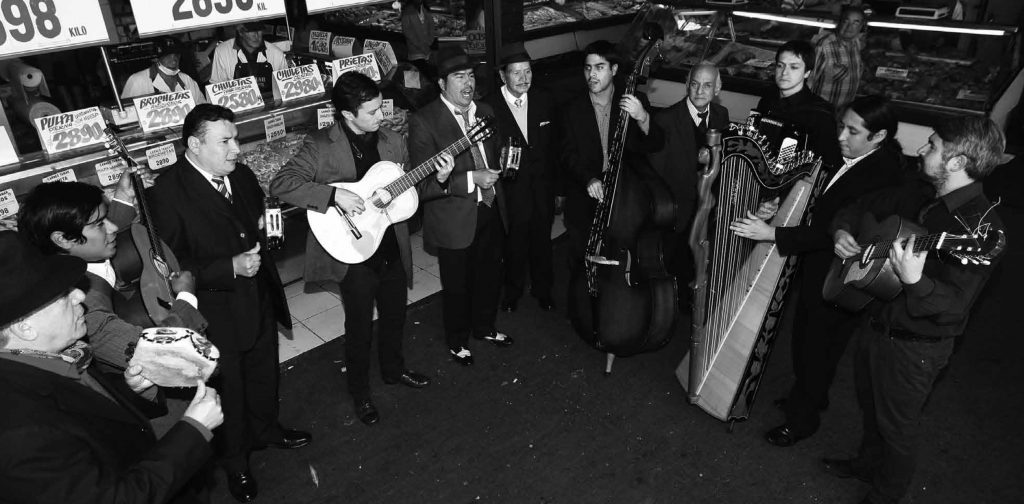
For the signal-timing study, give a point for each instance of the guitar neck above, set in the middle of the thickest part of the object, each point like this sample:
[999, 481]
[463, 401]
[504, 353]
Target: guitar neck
[922, 243]
[414, 176]
[139, 187]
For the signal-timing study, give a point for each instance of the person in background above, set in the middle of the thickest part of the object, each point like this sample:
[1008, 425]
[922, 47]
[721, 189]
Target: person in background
[248, 55]
[837, 59]
[69, 433]
[165, 75]
[345, 152]
[418, 28]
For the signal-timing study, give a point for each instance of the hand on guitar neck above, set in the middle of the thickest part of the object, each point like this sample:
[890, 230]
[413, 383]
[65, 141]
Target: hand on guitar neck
[183, 281]
[907, 264]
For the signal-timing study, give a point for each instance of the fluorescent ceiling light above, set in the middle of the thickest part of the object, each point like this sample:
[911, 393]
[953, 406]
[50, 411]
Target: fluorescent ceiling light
[945, 29]
[784, 19]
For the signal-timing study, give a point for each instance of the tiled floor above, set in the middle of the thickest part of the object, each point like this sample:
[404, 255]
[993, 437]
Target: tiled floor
[317, 314]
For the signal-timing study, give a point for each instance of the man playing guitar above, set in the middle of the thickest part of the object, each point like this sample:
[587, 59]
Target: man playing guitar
[344, 153]
[903, 344]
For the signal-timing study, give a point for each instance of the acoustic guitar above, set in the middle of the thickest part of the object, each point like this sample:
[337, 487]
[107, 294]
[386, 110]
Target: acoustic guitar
[390, 196]
[145, 257]
[853, 283]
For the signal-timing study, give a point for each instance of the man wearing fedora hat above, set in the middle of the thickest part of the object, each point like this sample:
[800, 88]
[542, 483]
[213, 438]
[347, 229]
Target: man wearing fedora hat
[526, 117]
[164, 75]
[71, 434]
[464, 216]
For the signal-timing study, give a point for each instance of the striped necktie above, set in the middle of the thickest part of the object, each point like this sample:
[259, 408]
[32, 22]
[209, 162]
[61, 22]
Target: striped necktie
[486, 195]
[222, 188]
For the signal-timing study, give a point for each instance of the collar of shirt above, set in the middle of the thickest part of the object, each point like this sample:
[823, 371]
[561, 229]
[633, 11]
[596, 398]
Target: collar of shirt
[796, 98]
[693, 111]
[847, 164]
[961, 196]
[103, 270]
[208, 176]
[260, 52]
[458, 113]
[511, 99]
[69, 363]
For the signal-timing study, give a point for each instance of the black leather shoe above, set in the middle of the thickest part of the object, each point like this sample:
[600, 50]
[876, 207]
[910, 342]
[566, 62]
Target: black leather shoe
[498, 338]
[409, 379]
[462, 356]
[509, 305]
[367, 412]
[782, 436]
[844, 468]
[242, 486]
[546, 303]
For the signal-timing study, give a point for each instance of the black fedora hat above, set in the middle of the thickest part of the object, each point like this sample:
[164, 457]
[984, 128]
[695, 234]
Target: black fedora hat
[452, 59]
[512, 53]
[29, 280]
[167, 45]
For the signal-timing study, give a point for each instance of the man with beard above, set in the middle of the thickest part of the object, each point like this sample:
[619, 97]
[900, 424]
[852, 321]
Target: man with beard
[903, 344]
[464, 214]
[837, 59]
[587, 127]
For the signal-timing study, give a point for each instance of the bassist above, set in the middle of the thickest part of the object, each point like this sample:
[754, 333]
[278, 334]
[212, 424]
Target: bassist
[903, 344]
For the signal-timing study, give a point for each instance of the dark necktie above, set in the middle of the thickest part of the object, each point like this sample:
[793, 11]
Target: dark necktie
[486, 195]
[703, 126]
[222, 188]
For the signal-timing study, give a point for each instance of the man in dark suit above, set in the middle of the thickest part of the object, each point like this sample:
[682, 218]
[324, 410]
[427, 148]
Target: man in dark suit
[464, 216]
[209, 210]
[872, 159]
[676, 162]
[526, 115]
[345, 152]
[69, 433]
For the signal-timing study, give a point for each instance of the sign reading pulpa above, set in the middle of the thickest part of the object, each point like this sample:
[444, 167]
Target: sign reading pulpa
[365, 64]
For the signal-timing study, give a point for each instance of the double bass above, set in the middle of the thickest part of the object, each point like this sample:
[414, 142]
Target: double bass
[626, 302]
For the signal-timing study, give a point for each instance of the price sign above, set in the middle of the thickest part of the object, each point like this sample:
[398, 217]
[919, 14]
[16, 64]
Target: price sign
[892, 73]
[385, 54]
[71, 130]
[315, 6]
[319, 42]
[8, 203]
[8, 155]
[299, 82]
[238, 95]
[274, 127]
[34, 26]
[387, 109]
[161, 157]
[324, 117]
[62, 176]
[341, 47]
[109, 171]
[163, 110]
[412, 79]
[164, 16]
[365, 64]
[476, 42]
[967, 94]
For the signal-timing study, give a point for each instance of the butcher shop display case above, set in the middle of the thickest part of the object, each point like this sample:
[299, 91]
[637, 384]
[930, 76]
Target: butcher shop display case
[929, 68]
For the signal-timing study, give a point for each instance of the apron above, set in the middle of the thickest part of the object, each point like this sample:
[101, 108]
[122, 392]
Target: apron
[261, 69]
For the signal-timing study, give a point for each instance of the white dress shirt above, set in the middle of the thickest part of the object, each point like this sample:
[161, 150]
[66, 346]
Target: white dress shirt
[847, 164]
[465, 127]
[519, 107]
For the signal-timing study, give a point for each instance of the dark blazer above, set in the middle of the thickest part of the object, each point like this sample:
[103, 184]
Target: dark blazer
[533, 187]
[326, 157]
[205, 231]
[449, 210]
[676, 162]
[63, 442]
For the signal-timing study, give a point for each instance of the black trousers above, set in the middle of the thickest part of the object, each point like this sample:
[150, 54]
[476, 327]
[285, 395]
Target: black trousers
[247, 384]
[529, 244]
[471, 281]
[364, 285]
[893, 379]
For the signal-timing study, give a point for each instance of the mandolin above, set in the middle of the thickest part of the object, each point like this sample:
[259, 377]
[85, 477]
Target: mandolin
[150, 260]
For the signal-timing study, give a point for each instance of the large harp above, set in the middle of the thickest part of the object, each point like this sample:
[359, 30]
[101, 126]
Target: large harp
[740, 284]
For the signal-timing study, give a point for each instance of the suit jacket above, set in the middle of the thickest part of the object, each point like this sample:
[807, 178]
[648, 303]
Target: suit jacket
[449, 209]
[64, 442]
[326, 157]
[533, 188]
[205, 230]
[676, 162]
[582, 156]
[113, 321]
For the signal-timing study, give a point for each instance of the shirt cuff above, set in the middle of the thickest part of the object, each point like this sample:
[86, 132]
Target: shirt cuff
[470, 186]
[189, 298]
[921, 288]
[207, 433]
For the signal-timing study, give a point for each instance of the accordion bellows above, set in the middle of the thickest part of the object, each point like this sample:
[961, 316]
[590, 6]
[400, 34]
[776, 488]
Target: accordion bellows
[174, 356]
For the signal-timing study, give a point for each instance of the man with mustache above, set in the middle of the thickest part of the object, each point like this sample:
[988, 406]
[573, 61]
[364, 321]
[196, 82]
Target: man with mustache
[464, 215]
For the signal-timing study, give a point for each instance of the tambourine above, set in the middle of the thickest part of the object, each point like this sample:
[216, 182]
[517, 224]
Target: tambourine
[174, 356]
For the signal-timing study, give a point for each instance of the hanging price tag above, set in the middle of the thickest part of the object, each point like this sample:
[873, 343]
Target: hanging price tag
[62, 176]
[34, 26]
[109, 171]
[8, 203]
[387, 109]
[70, 130]
[163, 110]
[341, 47]
[238, 95]
[319, 42]
[384, 53]
[161, 157]
[274, 127]
[324, 117]
[365, 64]
[476, 43]
[165, 16]
[299, 82]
